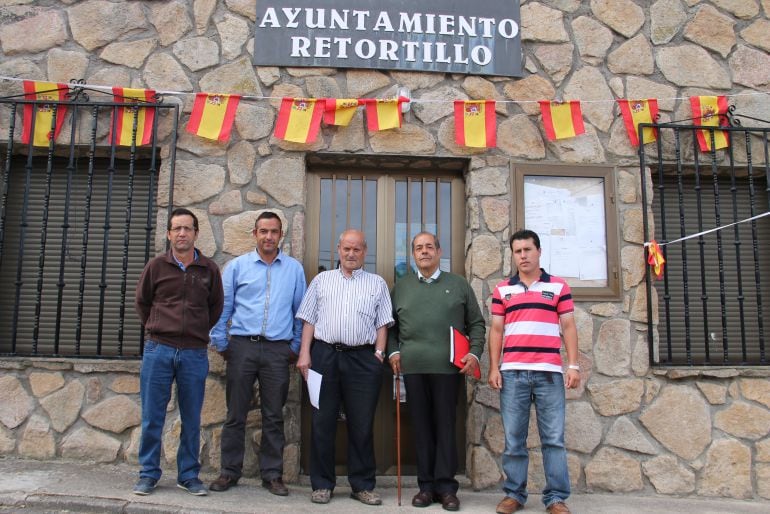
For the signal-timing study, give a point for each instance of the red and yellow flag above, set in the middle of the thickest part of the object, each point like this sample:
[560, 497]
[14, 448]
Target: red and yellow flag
[655, 258]
[383, 114]
[213, 115]
[299, 119]
[562, 119]
[339, 111]
[639, 111]
[123, 125]
[476, 123]
[43, 113]
[706, 110]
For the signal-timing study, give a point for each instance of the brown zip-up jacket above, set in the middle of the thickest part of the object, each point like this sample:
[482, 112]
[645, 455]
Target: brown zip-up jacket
[176, 307]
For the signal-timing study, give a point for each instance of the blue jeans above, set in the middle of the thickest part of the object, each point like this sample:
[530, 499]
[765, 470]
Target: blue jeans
[546, 389]
[161, 365]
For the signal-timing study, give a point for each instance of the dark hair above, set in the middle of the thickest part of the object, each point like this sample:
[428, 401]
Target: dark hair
[423, 233]
[525, 234]
[181, 211]
[269, 215]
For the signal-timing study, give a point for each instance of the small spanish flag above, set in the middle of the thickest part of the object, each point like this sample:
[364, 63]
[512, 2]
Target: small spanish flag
[145, 116]
[706, 110]
[383, 114]
[655, 258]
[639, 111]
[51, 91]
[476, 123]
[213, 115]
[562, 119]
[339, 111]
[299, 119]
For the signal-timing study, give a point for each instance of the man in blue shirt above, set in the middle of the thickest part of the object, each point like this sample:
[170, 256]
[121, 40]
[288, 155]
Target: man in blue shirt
[263, 291]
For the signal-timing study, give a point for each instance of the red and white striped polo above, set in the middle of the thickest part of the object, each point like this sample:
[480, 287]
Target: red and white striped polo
[531, 338]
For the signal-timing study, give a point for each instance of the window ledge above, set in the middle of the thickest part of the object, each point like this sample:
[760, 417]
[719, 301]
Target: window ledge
[713, 372]
[70, 363]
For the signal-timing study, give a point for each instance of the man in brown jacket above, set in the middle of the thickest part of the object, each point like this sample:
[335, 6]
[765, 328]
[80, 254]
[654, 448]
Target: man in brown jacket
[178, 299]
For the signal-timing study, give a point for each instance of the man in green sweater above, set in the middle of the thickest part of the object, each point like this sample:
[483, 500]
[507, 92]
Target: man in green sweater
[426, 306]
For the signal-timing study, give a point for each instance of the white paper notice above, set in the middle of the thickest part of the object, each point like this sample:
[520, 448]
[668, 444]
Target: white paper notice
[593, 265]
[314, 387]
[564, 252]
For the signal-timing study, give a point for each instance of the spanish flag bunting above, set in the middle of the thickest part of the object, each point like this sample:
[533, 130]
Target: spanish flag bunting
[299, 119]
[145, 116]
[383, 114]
[213, 115]
[34, 90]
[476, 123]
[706, 110]
[655, 258]
[339, 111]
[562, 119]
[639, 111]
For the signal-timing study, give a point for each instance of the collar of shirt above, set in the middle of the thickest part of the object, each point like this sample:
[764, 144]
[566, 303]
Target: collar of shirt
[180, 264]
[431, 278]
[356, 273]
[544, 277]
[258, 257]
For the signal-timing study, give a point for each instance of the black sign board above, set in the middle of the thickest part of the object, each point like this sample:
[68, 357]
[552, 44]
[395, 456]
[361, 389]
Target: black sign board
[478, 37]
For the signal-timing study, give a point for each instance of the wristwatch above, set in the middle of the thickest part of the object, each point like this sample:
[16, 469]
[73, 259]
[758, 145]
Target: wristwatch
[574, 366]
[380, 354]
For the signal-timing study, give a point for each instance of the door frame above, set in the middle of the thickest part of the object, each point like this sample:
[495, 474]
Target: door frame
[385, 267]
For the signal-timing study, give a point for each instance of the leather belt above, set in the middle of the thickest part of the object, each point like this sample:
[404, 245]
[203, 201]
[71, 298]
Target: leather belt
[257, 339]
[348, 348]
[339, 347]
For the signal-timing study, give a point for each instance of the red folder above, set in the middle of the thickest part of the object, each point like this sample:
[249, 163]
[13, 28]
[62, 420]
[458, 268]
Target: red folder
[459, 347]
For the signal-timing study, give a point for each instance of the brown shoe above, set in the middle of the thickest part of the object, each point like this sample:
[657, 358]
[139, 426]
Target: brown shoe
[558, 508]
[276, 487]
[448, 501]
[223, 483]
[422, 499]
[508, 506]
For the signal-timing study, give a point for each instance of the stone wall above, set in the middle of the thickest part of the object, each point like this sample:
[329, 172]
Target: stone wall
[630, 428]
[89, 410]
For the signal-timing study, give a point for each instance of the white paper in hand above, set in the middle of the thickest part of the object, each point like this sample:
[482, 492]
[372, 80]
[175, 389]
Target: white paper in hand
[314, 387]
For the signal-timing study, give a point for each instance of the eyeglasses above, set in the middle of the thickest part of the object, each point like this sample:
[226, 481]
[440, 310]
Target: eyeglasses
[182, 228]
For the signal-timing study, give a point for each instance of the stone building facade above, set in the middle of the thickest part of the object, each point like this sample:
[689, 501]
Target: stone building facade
[630, 426]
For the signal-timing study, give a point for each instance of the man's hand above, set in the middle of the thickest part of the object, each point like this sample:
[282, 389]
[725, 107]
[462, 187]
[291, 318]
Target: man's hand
[395, 363]
[225, 354]
[471, 365]
[304, 363]
[495, 380]
[572, 379]
[293, 357]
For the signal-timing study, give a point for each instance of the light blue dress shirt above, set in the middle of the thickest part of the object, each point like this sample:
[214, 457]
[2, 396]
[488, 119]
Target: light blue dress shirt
[261, 299]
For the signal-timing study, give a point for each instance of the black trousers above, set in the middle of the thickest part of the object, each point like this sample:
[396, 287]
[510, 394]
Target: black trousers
[432, 400]
[268, 362]
[353, 378]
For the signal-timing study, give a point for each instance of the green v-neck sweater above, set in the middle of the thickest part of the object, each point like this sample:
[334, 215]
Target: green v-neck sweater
[424, 312]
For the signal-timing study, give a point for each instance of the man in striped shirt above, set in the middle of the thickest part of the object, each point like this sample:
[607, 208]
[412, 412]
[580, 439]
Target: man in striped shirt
[346, 314]
[527, 312]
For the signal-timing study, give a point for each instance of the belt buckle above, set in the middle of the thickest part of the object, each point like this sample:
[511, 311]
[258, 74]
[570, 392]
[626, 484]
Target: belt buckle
[339, 347]
[256, 339]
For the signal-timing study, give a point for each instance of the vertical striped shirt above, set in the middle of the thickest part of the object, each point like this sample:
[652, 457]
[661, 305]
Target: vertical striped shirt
[531, 338]
[347, 310]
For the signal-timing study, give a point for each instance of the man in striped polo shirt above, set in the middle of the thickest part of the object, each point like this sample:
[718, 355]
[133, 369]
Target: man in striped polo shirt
[525, 364]
[346, 314]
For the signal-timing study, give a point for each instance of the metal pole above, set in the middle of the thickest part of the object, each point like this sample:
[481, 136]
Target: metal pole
[398, 436]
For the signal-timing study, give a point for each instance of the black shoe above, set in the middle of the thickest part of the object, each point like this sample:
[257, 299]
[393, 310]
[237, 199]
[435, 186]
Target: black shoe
[448, 501]
[422, 499]
[223, 483]
[276, 487]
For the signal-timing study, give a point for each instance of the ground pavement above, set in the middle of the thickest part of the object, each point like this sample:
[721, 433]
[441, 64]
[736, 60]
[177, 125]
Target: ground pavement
[32, 487]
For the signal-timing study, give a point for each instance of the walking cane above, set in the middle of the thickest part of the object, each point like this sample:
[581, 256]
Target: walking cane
[398, 437]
